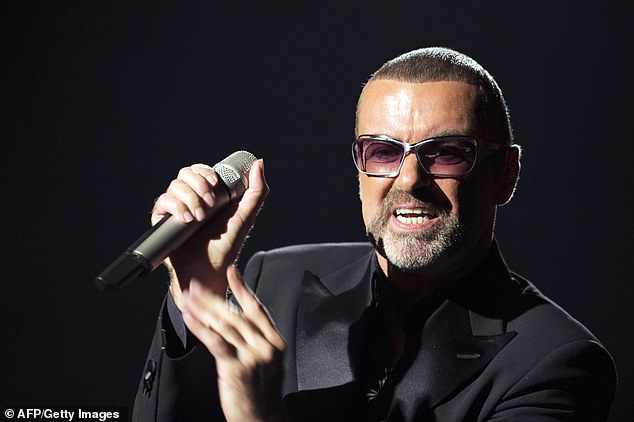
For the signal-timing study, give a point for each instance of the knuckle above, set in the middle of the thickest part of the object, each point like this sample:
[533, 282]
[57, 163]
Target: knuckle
[216, 345]
[167, 202]
[269, 354]
[249, 361]
[201, 167]
[200, 184]
[219, 325]
[184, 193]
[183, 172]
[266, 189]
[175, 185]
[178, 208]
[159, 204]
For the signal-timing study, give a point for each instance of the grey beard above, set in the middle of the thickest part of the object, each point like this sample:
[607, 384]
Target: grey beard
[414, 252]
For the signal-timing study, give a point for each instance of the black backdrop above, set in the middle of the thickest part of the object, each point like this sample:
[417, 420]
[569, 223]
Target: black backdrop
[103, 102]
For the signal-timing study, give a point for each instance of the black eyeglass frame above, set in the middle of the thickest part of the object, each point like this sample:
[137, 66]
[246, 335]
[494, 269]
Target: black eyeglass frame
[415, 147]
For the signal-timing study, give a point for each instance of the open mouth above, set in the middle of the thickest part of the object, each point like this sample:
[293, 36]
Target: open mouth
[413, 215]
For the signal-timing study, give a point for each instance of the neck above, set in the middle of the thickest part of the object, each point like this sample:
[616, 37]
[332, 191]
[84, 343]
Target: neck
[408, 288]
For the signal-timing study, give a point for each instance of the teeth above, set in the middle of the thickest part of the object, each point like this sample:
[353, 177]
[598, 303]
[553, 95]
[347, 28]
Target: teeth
[412, 215]
[412, 220]
[417, 211]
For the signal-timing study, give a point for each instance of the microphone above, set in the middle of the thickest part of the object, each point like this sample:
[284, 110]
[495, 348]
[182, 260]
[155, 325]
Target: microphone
[149, 250]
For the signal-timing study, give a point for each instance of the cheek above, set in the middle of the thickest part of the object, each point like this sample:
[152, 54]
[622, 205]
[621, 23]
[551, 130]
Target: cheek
[453, 197]
[466, 201]
[371, 192]
[474, 203]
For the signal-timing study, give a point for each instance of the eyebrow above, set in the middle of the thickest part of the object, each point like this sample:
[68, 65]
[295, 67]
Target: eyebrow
[453, 133]
[437, 135]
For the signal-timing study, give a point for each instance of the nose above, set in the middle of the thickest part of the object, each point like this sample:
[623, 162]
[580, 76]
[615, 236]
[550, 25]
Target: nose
[412, 176]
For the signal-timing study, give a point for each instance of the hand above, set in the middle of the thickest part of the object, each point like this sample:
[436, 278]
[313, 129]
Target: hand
[247, 348]
[206, 256]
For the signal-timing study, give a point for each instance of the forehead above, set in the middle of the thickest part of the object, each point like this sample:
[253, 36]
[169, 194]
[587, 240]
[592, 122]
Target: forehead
[413, 111]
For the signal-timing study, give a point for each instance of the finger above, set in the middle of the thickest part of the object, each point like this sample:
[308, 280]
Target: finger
[190, 196]
[217, 314]
[202, 180]
[253, 309]
[169, 204]
[204, 310]
[213, 341]
[257, 192]
[235, 222]
[207, 172]
[250, 204]
[196, 191]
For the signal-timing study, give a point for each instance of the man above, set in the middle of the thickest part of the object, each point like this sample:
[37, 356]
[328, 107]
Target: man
[425, 323]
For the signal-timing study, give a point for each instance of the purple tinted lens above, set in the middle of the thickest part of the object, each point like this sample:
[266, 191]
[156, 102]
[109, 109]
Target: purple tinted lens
[380, 157]
[443, 156]
[448, 156]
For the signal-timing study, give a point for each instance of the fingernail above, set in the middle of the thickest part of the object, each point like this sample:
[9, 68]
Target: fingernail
[188, 217]
[211, 178]
[200, 214]
[209, 198]
[194, 286]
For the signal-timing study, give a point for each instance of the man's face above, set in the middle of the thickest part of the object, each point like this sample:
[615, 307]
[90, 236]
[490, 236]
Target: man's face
[436, 227]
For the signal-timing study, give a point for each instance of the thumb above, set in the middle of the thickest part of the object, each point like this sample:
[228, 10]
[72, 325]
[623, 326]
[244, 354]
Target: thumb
[252, 200]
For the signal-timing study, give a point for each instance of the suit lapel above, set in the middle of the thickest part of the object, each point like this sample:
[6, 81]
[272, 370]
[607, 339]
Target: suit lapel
[460, 337]
[331, 311]
[455, 343]
[447, 356]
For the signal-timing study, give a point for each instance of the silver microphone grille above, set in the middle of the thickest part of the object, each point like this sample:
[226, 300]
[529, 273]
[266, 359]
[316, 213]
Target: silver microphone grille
[234, 172]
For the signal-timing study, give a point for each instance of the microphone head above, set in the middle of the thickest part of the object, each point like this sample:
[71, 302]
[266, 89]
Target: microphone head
[234, 172]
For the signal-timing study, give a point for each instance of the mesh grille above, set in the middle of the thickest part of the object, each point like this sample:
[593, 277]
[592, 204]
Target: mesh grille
[234, 172]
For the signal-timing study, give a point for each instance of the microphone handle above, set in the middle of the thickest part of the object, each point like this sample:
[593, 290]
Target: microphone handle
[160, 240]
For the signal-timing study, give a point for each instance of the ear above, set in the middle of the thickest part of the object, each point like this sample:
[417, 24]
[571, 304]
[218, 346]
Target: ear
[510, 175]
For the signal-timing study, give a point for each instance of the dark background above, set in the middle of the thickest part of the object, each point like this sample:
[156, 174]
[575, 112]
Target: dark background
[103, 102]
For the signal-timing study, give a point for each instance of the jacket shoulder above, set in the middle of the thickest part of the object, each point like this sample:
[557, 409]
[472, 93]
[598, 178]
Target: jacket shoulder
[321, 251]
[320, 258]
[545, 319]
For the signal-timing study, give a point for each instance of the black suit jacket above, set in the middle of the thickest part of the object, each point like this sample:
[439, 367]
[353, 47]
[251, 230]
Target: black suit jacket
[489, 347]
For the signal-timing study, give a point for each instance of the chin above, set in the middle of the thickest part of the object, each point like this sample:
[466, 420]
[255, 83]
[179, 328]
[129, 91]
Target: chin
[414, 255]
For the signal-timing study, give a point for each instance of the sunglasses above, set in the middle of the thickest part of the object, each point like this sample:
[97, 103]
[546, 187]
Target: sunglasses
[441, 156]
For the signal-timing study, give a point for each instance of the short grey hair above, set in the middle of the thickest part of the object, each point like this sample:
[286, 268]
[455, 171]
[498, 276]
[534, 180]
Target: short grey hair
[434, 64]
